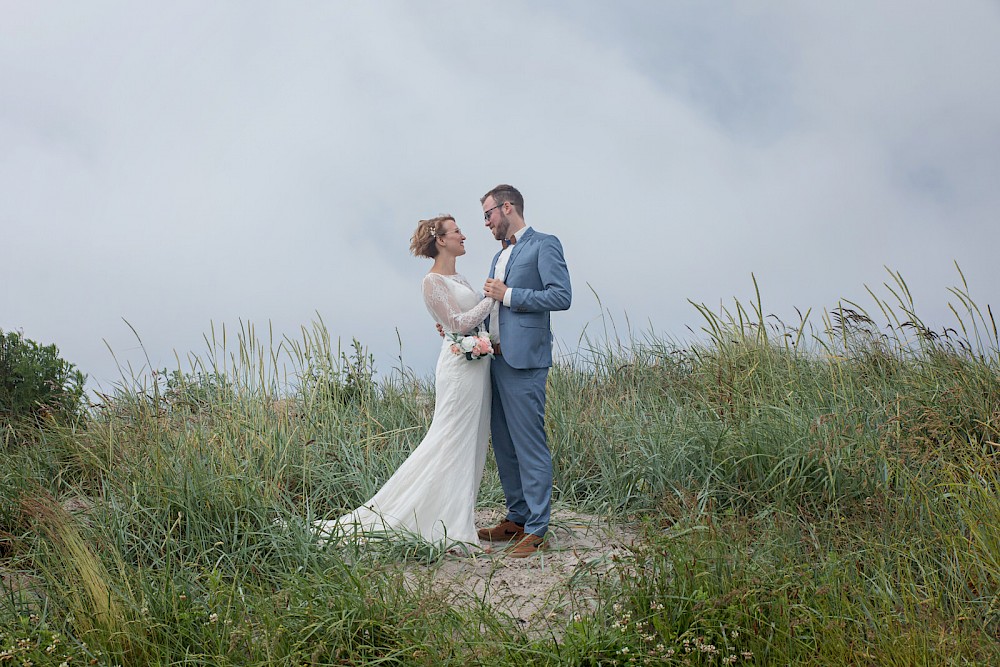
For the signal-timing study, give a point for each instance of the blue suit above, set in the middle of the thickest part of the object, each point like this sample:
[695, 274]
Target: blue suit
[539, 280]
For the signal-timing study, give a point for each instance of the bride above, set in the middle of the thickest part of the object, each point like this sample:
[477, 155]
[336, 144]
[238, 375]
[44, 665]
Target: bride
[433, 493]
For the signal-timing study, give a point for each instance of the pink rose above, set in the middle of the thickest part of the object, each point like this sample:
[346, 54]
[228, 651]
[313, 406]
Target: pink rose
[483, 346]
[455, 349]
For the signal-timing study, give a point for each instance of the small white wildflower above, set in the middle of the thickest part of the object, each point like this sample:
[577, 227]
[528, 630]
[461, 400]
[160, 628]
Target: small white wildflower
[213, 617]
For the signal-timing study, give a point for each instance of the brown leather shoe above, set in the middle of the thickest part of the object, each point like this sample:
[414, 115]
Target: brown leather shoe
[528, 544]
[505, 531]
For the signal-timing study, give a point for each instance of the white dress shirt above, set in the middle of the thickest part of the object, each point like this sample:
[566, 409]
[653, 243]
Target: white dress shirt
[500, 273]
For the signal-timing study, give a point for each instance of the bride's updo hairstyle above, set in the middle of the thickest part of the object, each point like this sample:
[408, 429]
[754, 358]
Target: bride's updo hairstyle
[423, 243]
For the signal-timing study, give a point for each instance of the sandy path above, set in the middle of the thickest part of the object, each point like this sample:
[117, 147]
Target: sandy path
[544, 591]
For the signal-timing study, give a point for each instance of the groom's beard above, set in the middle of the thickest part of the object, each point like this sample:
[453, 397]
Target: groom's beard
[500, 232]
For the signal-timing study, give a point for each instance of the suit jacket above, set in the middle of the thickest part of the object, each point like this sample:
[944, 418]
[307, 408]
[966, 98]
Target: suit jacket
[537, 274]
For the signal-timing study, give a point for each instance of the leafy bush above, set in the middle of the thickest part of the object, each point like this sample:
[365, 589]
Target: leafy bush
[345, 382]
[196, 392]
[35, 382]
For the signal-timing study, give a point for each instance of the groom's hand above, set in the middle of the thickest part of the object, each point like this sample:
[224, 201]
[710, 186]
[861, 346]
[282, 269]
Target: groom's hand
[495, 289]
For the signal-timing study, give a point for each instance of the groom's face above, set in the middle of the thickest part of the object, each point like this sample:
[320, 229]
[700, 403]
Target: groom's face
[498, 223]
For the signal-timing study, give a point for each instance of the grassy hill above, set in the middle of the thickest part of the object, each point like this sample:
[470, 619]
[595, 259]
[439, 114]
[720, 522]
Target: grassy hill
[821, 495]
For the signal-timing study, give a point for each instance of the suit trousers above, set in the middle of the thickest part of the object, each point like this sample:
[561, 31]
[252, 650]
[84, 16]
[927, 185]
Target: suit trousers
[517, 426]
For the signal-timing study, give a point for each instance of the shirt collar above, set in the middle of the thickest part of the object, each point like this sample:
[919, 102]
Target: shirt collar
[517, 236]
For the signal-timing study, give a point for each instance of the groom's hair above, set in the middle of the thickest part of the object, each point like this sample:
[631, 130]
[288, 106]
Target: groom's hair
[423, 243]
[502, 193]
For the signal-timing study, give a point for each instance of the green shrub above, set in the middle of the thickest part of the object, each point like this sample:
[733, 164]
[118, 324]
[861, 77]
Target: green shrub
[35, 382]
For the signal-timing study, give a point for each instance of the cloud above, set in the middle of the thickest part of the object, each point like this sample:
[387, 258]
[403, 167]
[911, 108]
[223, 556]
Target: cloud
[195, 163]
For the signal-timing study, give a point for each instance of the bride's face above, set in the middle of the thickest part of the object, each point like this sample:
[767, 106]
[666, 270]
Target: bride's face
[452, 239]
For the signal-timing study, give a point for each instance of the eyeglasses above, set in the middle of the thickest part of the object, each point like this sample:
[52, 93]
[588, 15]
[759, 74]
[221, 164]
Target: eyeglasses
[456, 230]
[486, 213]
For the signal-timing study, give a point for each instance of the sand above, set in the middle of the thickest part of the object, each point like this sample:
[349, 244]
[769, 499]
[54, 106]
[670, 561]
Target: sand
[545, 591]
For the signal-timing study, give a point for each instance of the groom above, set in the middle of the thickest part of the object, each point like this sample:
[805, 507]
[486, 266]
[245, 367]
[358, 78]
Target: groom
[529, 279]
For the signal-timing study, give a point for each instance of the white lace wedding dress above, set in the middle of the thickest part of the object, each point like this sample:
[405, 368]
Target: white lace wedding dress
[433, 493]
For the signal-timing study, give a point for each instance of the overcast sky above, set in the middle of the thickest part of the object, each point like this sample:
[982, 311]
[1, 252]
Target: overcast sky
[175, 165]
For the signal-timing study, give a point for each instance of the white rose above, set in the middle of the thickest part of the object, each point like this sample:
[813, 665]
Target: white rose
[468, 343]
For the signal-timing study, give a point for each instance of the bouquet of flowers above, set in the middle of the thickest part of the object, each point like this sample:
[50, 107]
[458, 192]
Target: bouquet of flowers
[472, 346]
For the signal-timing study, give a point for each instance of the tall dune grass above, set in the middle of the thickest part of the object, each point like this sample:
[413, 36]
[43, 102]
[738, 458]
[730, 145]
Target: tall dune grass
[806, 494]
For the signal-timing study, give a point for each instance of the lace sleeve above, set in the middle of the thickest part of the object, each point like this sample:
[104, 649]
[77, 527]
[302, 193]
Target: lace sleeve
[442, 303]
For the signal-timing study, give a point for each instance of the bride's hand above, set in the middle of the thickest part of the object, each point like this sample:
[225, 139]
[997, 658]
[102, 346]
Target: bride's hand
[440, 329]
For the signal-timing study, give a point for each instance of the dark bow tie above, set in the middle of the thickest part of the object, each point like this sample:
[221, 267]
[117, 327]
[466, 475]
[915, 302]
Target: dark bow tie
[508, 242]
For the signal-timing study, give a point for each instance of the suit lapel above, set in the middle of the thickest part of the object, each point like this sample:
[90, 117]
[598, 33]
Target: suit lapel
[515, 251]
